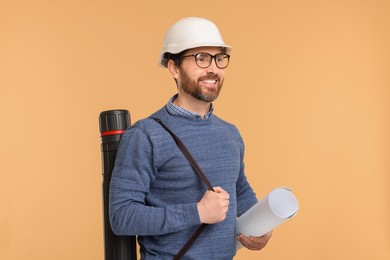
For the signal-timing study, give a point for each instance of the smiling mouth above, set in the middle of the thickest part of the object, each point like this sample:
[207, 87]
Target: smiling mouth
[209, 81]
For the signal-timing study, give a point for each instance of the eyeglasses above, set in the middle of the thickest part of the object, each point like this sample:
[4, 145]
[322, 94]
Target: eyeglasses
[204, 59]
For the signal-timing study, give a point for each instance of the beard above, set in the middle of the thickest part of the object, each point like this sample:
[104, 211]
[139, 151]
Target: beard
[193, 88]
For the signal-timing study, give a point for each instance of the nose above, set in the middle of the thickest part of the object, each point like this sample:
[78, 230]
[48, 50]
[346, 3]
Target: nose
[213, 67]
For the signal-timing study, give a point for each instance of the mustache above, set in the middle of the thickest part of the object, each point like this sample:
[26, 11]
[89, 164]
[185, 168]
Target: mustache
[210, 76]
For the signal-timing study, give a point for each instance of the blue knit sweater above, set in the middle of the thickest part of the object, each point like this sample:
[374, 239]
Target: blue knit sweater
[154, 190]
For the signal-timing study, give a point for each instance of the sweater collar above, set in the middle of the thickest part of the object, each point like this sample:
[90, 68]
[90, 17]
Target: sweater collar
[178, 111]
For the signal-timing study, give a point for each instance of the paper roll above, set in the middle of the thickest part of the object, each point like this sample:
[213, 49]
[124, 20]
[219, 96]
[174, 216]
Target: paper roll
[274, 209]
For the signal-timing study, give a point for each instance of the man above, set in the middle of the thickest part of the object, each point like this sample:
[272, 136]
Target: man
[155, 193]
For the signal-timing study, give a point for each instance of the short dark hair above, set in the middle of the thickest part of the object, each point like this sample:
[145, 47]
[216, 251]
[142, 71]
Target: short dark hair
[176, 58]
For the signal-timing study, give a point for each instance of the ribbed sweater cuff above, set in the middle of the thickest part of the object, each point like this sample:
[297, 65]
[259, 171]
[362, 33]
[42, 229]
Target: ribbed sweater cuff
[190, 213]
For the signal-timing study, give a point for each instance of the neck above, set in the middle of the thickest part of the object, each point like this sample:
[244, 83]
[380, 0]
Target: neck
[192, 104]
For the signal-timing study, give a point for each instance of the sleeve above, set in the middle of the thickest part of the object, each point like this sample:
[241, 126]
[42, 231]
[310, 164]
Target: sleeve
[246, 197]
[133, 174]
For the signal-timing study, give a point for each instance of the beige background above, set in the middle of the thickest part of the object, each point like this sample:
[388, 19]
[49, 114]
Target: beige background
[308, 86]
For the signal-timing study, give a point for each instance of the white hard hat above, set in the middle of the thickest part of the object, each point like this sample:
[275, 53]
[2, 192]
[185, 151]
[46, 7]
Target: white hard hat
[188, 33]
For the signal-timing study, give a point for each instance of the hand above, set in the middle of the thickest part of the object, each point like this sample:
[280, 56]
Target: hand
[213, 206]
[254, 243]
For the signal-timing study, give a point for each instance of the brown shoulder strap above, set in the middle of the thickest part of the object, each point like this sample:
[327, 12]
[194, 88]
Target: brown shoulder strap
[198, 170]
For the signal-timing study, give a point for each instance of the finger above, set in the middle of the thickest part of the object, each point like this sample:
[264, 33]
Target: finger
[254, 243]
[218, 189]
[268, 235]
[222, 192]
[243, 238]
[264, 237]
[247, 242]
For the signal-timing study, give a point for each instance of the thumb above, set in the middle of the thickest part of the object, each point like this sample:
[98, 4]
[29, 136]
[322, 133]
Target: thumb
[218, 190]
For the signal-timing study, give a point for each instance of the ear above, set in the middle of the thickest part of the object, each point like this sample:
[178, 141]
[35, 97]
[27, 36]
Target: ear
[173, 69]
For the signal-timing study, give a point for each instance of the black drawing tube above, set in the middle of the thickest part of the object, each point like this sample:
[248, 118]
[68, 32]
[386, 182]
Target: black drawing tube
[113, 124]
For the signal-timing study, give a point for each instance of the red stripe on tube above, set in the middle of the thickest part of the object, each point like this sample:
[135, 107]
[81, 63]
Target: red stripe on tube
[112, 132]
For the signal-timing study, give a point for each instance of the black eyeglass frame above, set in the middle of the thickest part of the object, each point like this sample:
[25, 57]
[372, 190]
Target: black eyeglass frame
[213, 57]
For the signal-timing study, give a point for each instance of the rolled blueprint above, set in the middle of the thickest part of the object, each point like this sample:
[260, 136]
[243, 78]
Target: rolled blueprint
[274, 209]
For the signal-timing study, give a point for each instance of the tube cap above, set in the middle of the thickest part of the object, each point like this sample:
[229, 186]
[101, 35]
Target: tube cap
[113, 120]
